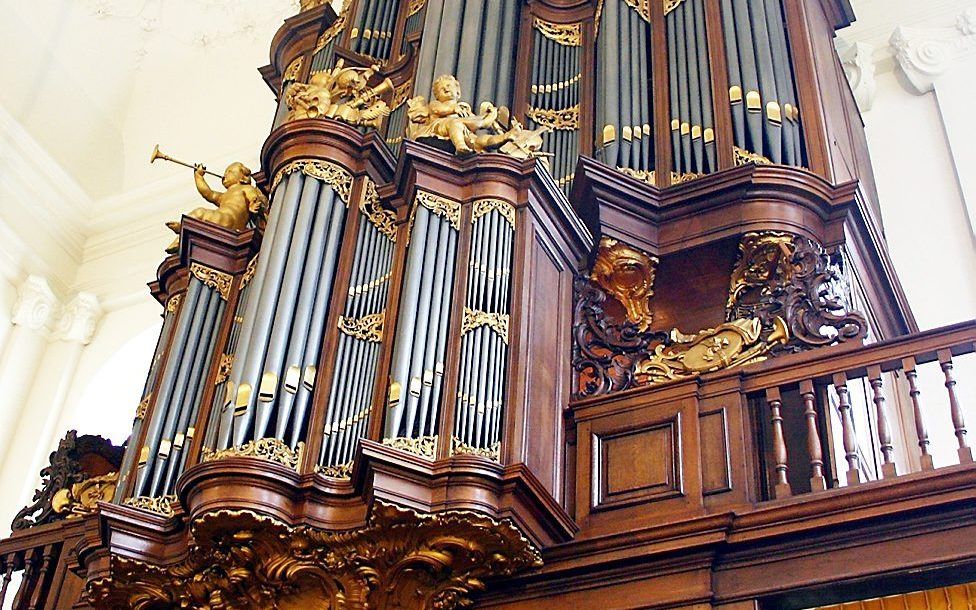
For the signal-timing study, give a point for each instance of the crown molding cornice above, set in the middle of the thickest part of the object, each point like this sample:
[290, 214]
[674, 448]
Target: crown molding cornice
[924, 54]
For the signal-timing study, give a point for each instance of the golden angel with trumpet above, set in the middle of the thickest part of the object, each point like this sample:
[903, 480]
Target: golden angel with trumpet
[239, 205]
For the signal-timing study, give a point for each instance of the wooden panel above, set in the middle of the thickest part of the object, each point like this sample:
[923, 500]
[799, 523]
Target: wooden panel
[637, 465]
[691, 287]
[716, 477]
[546, 363]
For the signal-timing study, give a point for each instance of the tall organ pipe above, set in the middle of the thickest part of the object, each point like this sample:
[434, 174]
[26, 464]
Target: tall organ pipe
[765, 117]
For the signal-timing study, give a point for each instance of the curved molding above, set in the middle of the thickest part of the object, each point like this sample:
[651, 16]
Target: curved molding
[924, 54]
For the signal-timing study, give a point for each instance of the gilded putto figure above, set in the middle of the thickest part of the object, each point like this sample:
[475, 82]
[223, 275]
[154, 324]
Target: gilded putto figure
[341, 93]
[446, 117]
[239, 204]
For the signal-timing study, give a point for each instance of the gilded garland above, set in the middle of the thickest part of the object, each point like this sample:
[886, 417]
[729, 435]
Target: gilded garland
[473, 319]
[425, 446]
[485, 206]
[218, 280]
[367, 328]
[162, 505]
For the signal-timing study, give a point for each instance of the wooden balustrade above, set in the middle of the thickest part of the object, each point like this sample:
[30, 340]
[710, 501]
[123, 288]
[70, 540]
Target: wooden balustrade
[36, 567]
[793, 399]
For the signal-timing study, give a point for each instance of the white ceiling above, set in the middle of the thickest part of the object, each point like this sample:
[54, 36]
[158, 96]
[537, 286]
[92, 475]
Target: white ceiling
[97, 82]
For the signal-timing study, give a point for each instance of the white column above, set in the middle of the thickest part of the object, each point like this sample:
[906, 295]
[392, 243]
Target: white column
[33, 323]
[943, 61]
[36, 433]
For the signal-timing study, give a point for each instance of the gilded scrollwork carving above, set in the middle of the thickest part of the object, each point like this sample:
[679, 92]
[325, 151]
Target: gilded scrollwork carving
[780, 275]
[160, 505]
[566, 34]
[554, 119]
[341, 93]
[425, 446]
[330, 173]
[173, 304]
[745, 157]
[627, 274]
[218, 280]
[384, 220]
[442, 206]
[224, 367]
[485, 206]
[367, 328]
[445, 117]
[459, 447]
[83, 498]
[62, 479]
[472, 319]
[270, 449]
[650, 177]
[241, 560]
[729, 345]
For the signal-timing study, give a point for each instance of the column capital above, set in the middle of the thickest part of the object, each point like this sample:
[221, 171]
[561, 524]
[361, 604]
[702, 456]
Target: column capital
[79, 318]
[924, 54]
[36, 307]
[857, 60]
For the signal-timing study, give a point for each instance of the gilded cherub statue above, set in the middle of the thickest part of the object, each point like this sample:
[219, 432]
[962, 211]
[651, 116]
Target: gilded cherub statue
[240, 203]
[446, 117]
[341, 93]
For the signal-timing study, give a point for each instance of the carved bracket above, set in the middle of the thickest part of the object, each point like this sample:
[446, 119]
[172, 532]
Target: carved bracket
[400, 559]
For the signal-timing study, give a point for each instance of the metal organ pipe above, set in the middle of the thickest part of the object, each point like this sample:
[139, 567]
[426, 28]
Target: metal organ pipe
[765, 117]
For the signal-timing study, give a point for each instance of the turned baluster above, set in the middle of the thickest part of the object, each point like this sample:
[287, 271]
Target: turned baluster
[817, 481]
[781, 487]
[35, 601]
[7, 565]
[909, 366]
[30, 559]
[958, 421]
[888, 469]
[847, 425]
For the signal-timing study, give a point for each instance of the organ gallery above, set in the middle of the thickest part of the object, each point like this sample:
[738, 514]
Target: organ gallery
[530, 304]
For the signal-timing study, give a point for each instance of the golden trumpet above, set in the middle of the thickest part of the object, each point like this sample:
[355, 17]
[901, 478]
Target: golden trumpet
[156, 154]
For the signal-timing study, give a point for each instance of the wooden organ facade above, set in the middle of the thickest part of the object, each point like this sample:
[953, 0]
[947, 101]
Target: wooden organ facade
[540, 304]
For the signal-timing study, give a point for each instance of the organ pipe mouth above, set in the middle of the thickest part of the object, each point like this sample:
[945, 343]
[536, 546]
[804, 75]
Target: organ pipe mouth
[243, 399]
[292, 379]
[269, 383]
[309, 378]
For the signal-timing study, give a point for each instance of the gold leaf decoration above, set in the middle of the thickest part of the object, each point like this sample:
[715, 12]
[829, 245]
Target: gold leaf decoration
[669, 5]
[223, 368]
[727, 346]
[627, 274]
[472, 319]
[384, 220]
[270, 449]
[173, 303]
[484, 206]
[459, 447]
[83, 498]
[330, 173]
[442, 206]
[745, 157]
[566, 34]
[566, 119]
[367, 328]
[339, 471]
[163, 505]
[252, 267]
[143, 406]
[218, 280]
[425, 446]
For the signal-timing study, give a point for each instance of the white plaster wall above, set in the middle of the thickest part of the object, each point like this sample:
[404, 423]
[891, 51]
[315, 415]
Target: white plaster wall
[929, 233]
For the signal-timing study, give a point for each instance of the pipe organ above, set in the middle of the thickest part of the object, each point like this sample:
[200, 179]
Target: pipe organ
[494, 250]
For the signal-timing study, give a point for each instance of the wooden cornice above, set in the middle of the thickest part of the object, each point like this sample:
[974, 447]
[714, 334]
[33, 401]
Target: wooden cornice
[296, 35]
[521, 182]
[719, 205]
[328, 140]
